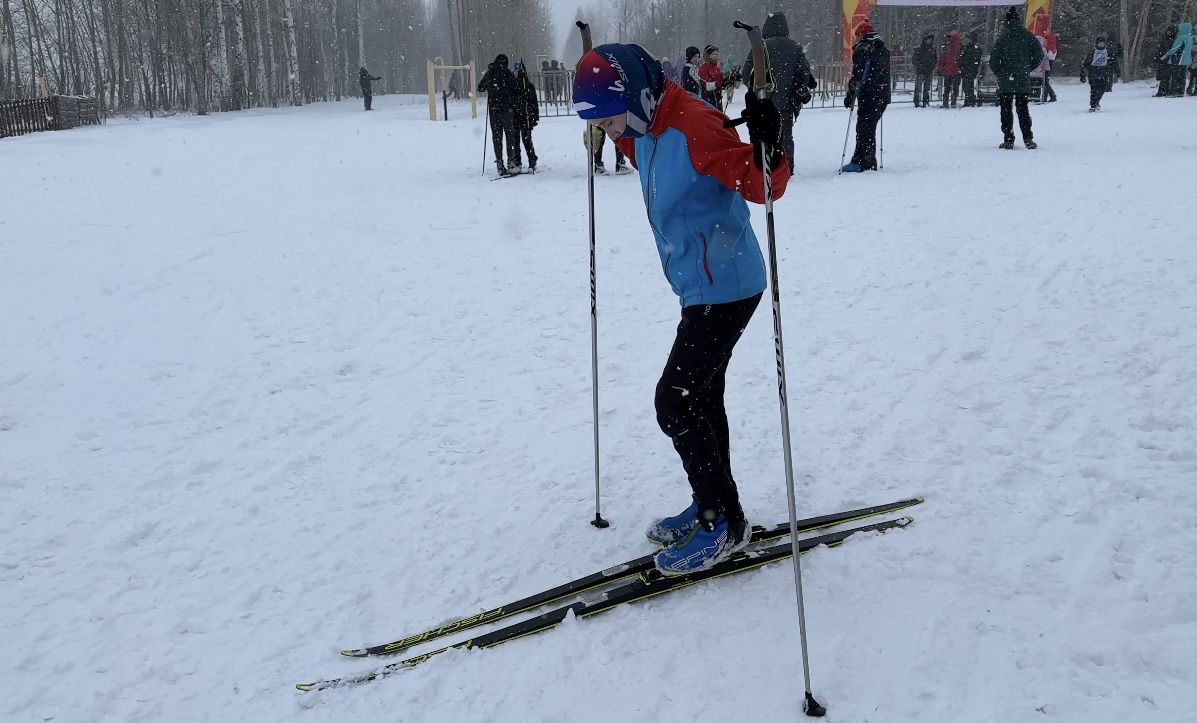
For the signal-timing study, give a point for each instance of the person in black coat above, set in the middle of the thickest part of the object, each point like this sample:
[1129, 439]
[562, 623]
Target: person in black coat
[924, 61]
[498, 82]
[1100, 69]
[970, 68]
[364, 79]
[792, 77]
[526, 114]
[870, 87]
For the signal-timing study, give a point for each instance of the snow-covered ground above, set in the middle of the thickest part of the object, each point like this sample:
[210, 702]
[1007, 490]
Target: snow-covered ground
[277, 382]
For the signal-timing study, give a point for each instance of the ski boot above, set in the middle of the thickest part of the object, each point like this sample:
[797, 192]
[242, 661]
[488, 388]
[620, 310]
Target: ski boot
[502, 169]
[1007, 144]
[1030, 144]
[713, 540]
[671, 529]
[600, 169]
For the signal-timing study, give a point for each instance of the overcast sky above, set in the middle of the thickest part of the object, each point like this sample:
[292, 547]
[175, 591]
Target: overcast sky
[563, 20]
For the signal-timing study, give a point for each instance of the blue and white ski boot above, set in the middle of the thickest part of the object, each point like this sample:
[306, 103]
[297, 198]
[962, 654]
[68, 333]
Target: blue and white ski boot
[672, 529]
[707, 545]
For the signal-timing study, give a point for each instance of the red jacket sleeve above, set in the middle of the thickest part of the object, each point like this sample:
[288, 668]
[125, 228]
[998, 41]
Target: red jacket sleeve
[627, 146]
[719, 153]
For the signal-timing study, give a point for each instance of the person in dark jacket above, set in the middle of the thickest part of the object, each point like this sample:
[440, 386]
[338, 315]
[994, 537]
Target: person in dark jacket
[1015, 54]
[792, 78]
[1100, 69]
[970, 68]
[498, 82]
[1162, 71]
[949, 68]
[691, 83]
[870, 86]
[364, 79]
[525, 114]
[924, 61]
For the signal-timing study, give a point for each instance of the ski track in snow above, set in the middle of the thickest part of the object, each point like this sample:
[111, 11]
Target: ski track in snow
[278, 382]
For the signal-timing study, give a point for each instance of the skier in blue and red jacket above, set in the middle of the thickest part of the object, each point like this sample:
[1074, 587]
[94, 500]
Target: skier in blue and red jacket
[696, 176]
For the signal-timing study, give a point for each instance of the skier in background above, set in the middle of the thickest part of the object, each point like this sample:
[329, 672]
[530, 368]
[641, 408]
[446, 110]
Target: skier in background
[924, 61]
[525, 115]
[364, 79]
[696, 177]
[1100, 69]
[792, 78]
[498, 83]
[1015, 54]
[871, 87]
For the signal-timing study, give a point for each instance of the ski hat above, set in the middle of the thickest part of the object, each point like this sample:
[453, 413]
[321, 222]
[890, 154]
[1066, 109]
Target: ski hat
[1012, 16]
[615, 79]
[501, 60]
[691, 52]
[865, 27]
[706, 52]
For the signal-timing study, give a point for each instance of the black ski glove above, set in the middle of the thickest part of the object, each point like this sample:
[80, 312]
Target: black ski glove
[850, 99]
[764, 126]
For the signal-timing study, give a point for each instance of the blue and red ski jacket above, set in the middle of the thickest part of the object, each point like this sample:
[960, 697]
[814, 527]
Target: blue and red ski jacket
[696, 176]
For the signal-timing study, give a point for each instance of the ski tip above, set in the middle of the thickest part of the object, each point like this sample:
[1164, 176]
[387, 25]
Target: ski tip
[308, 687]
[355, 653]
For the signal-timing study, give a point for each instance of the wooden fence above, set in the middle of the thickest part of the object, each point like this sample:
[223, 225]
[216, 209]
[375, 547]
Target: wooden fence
[56, 113]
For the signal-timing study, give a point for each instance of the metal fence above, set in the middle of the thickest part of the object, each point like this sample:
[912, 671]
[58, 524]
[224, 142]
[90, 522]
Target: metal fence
[56, 113]
[554, 89]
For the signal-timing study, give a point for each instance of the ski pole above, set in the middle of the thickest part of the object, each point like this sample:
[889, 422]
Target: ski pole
[598, 520]
[760, 84]
[485, 128]
[844, 153]
[882, 164]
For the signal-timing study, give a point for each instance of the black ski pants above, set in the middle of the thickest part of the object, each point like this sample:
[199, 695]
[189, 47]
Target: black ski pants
[787, 137]
[524, 133]
[951, 90]
[865, 154]
[970, 91]
[922, 89]
[1008, 102]
[1098, 85]
[367, 98]
[689, 400]
[502, 124]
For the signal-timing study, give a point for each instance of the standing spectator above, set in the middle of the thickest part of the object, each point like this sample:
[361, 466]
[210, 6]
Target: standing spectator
[1161, 68]
[672, 72]
[792, 79]
[949, 68]
[970, 67]
[1100, 68]
[1015, 54]
[691, 83]
[498, 83]
[364, 78]
[869, 85]
[924, 60]
[1178, 59]
[1193, 76]
[547, 82]
[1049, 44]
[712, 77]
[525, 114]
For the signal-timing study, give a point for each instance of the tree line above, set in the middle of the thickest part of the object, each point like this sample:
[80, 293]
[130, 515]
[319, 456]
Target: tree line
[221, 55]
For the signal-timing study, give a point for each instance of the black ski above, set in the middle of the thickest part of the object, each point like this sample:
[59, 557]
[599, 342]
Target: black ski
[612, 574]
[649, 584]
